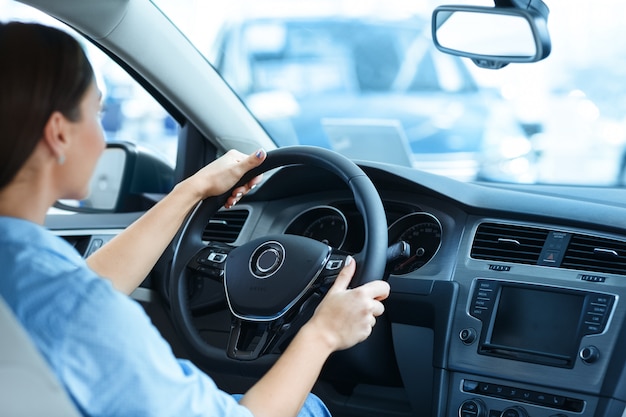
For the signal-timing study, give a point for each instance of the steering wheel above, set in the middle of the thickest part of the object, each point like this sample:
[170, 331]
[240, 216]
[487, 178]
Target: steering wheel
[272, 283]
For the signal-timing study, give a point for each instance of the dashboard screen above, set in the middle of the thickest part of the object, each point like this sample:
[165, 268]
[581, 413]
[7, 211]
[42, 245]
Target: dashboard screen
[536, 321]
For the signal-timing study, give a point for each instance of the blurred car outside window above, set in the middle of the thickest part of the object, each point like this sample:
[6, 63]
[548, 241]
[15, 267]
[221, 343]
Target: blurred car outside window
[336, 79]
[558, 121]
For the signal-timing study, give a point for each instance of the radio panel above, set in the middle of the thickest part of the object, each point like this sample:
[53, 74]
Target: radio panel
[535, 323]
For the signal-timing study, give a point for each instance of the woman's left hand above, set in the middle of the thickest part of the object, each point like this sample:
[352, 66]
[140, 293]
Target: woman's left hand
[129, 257]
[220, 175]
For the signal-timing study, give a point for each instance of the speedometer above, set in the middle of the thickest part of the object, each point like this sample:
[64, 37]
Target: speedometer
[329, 229]
[322, 223]
[422, 231]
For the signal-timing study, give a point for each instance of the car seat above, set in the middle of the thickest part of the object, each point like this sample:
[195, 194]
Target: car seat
[27, 385]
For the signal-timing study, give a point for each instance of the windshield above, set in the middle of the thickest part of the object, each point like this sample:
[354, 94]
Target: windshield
[363, 78]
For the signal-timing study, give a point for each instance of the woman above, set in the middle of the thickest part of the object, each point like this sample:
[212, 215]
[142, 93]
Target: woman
[100, 343]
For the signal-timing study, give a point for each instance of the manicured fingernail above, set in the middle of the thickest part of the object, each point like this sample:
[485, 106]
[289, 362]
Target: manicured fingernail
[238, 195]
[349, 260]
[259, 153]
[253, 186]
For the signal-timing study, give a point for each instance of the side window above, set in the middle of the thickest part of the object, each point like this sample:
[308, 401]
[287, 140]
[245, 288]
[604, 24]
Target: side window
[131, 114]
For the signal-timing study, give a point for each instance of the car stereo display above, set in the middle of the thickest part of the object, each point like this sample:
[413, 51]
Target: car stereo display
[534, 323]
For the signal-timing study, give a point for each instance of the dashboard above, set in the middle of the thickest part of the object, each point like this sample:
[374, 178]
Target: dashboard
[534, 283]
[509, 304]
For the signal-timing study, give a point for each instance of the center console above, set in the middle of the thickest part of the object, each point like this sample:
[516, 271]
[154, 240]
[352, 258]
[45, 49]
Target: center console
[525, 349]
[531, 341]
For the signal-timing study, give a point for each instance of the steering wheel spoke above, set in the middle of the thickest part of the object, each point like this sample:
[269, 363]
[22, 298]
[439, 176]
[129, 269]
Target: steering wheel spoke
[209, 261]
[249, 339]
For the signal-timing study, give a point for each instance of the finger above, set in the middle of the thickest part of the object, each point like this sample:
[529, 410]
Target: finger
[239, 191]
[232, 200]
[237, 156]
[255, 159]
[385, 291]
[241, 163]
[378, 309]
[247, 187]
[254, 181]
[378, 290]
[245, 163]
[345, 275]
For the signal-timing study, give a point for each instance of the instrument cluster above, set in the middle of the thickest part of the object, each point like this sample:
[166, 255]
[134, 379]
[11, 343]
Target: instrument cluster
[343, 229]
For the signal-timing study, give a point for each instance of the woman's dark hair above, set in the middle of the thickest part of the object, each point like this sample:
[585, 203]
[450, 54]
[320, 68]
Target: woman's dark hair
[42, 70]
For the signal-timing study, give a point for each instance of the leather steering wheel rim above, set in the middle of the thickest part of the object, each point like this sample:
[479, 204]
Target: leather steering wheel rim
[371, 261]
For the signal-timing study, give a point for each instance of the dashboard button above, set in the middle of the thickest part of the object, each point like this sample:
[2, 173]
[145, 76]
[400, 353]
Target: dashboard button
[470, 386]
[512, 393]
[467, 336]
[555, 400]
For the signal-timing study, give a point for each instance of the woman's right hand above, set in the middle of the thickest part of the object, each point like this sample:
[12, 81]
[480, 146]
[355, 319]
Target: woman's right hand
[346, 316]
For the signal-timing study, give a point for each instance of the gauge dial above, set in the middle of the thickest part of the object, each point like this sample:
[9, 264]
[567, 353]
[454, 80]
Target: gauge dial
[330, 229]
[422, 231]
[324, 223]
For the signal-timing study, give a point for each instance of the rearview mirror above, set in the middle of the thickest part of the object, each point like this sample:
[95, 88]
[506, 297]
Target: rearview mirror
[491, 37]
[126, 178]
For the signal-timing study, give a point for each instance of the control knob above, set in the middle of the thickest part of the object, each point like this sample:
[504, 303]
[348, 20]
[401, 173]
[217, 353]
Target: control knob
[472, 408]
[514, 412]
[467, 335]
[589, 354]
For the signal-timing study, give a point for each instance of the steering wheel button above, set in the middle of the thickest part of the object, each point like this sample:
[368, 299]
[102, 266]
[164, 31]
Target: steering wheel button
[334, 264]
[217, 257]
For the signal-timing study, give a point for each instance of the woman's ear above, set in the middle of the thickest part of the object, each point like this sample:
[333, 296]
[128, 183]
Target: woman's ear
[55, 136]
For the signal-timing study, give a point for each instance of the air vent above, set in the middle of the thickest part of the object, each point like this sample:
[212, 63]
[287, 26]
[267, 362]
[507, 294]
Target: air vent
[508, 243]
[225, 226]
[597, 254]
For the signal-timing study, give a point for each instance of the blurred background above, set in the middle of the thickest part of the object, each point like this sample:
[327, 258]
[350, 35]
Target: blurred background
[363, 78]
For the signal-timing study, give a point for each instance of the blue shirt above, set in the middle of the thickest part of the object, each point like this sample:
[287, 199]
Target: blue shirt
[99, 342]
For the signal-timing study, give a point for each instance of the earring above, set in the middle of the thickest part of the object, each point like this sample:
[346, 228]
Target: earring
[61, 159]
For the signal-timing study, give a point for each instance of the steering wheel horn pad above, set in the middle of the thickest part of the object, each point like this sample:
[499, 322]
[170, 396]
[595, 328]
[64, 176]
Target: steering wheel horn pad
[264, 278]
